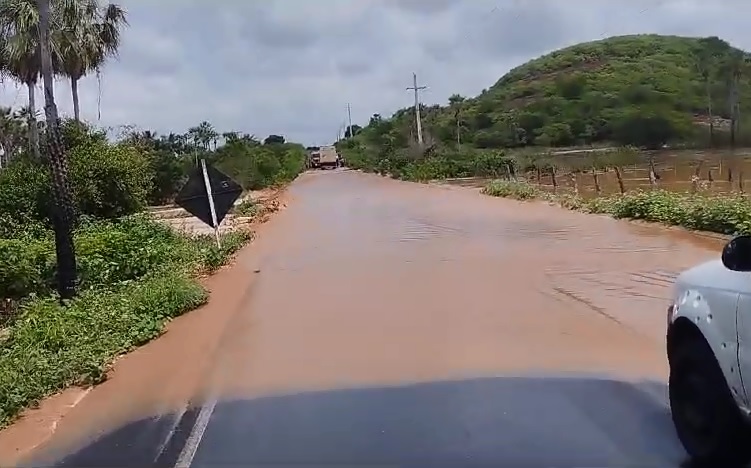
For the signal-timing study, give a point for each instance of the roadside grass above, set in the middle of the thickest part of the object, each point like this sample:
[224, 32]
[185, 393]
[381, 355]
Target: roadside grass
[247, 207]
[135, 276]
[724, 214]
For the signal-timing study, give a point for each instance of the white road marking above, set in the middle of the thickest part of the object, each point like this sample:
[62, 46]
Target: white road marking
[171, 433]
[196, 434]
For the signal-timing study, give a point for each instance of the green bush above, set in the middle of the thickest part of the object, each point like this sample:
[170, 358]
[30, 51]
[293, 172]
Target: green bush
[108, 252]
[24, 197]
[247, 207]
[50, 347]
[170, 173]
[113, 251]
[211, 258]
[723, 214]
[109, 180]
[511, 189]
[144, 275]
[27, 266]
[256, 167]
[434, 165]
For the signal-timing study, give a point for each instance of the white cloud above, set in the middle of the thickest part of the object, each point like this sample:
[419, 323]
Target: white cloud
[291, 66]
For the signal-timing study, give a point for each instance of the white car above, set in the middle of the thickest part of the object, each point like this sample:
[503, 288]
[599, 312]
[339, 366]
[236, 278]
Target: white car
[709, 350]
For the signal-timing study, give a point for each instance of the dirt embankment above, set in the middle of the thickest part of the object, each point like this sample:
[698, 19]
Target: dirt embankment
[157, 378]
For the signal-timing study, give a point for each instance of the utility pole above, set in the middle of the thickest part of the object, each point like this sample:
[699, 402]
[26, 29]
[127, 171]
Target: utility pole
[339, 132]
[417, 90]
[349, 116]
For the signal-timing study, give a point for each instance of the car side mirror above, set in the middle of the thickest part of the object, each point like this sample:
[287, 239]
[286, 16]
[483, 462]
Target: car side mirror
[736, 255]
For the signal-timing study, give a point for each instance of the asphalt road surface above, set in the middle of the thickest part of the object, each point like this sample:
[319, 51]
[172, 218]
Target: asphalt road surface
[398, 324]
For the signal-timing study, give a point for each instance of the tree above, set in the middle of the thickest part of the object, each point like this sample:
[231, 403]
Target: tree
[708, 55]
[63, 216]
[206, 135]
[274, 140]
[13, 134]
[733, 68]
[351, 131]
[455, 102]
[89, 35]
[230, 137]
[20, 52]
[645, 129]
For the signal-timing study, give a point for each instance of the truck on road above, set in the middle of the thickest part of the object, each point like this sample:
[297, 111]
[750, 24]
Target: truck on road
[329, 157]
[314, 157]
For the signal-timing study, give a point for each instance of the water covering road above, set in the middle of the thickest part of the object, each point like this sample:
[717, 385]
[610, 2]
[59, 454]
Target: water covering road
[398, 324]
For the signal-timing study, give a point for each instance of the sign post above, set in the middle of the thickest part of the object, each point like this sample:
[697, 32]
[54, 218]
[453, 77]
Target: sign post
[210, 196]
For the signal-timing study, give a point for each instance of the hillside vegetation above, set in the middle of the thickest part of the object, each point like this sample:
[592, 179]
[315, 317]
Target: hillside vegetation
[642, 90]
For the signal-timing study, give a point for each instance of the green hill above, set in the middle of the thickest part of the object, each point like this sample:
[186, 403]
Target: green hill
[643, 90]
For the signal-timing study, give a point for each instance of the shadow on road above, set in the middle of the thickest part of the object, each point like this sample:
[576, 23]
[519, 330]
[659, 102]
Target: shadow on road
[519, 422]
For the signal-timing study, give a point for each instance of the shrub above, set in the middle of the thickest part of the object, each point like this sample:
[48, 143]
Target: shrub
[256, 167]
[27, 266]
[50, 347]
[24, 197]
[723, 214]
[108, 252]
[247, 207]
[113, 251]
[728, 214]
[109, 180]
[211, 258]
[170, 174]
[511, 189]
[146, 282]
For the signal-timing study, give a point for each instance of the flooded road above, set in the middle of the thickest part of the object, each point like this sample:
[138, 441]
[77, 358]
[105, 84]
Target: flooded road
[394, 323]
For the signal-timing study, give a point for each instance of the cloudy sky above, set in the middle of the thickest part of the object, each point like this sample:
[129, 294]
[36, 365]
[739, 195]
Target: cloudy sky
[291, 66]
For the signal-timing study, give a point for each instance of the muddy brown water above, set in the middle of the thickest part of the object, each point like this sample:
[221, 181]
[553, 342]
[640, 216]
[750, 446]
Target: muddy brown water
[368, 280]
[365, 281]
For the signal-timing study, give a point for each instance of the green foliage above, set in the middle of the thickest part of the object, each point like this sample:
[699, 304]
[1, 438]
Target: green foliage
[210, 258]
[721, 214]
[256, 167]
[108, 252]
[724, 214]
[169, 176]
[439, 164]
[24, 197]
[136, 274]
[247, 207]
[274, 140]
[109, 180]
[641, 90]
[50, 347]
[511, 189]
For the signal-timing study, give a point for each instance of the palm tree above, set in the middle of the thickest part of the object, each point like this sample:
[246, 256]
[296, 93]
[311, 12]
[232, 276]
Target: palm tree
[62, 214]
[88, 35]
[20, 51]
[455, 102]
[12, 133]
[194, 136]
[207, 134]
[230, 137]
